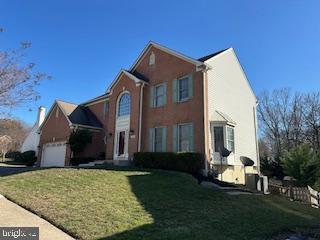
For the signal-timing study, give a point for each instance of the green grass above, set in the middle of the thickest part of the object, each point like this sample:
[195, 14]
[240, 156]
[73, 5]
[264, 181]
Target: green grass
[124, 204]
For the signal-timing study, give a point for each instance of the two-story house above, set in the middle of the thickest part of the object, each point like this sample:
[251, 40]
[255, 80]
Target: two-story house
[165, 102]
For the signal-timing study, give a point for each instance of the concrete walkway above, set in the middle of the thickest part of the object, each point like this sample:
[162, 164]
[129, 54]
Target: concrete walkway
[12, 215]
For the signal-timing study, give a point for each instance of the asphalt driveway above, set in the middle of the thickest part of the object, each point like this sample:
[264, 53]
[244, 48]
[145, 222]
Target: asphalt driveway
[6, 169]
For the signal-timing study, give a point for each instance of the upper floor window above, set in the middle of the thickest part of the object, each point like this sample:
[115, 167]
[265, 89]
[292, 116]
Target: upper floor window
[183, 89]
[158, 95]
[124, 105]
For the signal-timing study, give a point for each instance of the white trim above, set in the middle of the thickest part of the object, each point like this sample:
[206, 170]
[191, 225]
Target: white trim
[117, 78]
[140, 116]
[125, 156]
[85, 126]
[90, 103]
[167, 50]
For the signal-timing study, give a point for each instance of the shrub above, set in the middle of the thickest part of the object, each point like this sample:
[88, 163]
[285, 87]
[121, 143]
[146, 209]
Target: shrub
[13, 155]
[29, 158]
[79, 139]
[81, 160]
[184, 162]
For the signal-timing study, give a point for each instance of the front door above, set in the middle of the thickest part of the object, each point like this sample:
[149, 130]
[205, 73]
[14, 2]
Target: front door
[121, 143]
[121, 146]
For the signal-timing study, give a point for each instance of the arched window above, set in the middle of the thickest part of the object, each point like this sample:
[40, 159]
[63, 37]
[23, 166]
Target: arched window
[124, 105]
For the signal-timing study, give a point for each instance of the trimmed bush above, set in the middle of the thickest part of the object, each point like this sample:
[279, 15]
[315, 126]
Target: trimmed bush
[81, 160]
[29, 158]
[14, 155]
[188, 162]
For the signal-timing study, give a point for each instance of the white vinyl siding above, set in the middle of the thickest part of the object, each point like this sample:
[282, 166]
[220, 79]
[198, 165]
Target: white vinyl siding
[228, 91]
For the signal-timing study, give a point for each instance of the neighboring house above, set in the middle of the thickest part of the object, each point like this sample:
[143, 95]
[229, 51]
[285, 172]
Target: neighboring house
[31, 142]
[165, 102]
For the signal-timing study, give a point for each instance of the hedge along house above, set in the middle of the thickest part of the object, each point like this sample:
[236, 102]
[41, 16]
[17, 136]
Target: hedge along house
[167, 102]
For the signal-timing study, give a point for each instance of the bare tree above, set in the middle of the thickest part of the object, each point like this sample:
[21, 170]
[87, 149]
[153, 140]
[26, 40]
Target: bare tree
[268, 113]
[16, 129]
[281, 115]
[288, 120]
[17, 78]
[312, 119]
[5, 142]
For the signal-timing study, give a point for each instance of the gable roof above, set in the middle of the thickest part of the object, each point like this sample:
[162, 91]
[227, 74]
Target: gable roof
[98, 98]
[76, 115]
[165, 49]
[205, 58]
[130, 75]
[84, 116]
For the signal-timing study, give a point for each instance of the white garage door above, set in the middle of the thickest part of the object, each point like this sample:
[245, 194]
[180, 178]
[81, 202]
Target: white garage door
[53, 155]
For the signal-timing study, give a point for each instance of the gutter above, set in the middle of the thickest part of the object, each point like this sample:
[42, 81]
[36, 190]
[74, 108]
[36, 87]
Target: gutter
[256, 136]
[140, 115]
[205, 119]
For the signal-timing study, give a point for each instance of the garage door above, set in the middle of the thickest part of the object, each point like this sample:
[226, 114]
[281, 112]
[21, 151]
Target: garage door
[53, 155]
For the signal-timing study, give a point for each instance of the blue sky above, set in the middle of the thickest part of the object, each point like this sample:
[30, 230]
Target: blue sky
[83, 44]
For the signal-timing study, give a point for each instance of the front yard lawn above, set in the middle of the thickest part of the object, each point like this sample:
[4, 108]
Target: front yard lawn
[131, 204]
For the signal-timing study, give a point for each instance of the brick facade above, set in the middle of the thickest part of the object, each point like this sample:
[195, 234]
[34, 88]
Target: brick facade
[167, 68]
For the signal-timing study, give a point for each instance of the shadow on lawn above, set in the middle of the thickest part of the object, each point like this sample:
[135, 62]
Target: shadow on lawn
[183, 212]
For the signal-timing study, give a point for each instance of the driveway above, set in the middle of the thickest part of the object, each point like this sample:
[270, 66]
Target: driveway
[6, 169]
[12, 215]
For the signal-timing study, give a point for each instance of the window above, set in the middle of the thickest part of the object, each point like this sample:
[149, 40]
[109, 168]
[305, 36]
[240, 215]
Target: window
[158, 135]
[230, 139]
[218, 138]
[183, 89]
[220, 134]
[124, 105]
[159, 96]
[158, 139]
[105, 109]
[183, 137]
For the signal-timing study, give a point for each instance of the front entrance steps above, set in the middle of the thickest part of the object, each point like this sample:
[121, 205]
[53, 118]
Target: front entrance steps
[107, 162]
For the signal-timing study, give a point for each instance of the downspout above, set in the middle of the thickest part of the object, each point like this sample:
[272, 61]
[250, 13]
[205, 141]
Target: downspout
[140, 116]
[256, 136]
[205, 118]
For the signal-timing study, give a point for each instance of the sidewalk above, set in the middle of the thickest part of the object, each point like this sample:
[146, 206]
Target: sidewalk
[12, 215]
